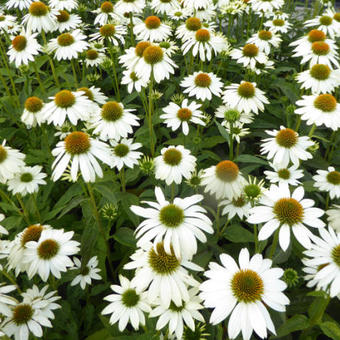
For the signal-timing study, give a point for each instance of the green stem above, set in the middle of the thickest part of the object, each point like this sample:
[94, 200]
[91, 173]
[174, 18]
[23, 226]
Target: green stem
[327, 201]
[11, 279]
[122, 179]
[256, 239]
[231, 142]
[5, 85]
[150, 111]
[223, 229]
[173, 191]
[24, 210]
[131, 30]
[274, 244]
[74, 74]
[298, 123]
[218, 219]
[36, 207]
[311, 131]
[39, 79]
[114, 73]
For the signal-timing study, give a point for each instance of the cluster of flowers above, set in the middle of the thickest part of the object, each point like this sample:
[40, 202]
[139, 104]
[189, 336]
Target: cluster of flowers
[91, 127]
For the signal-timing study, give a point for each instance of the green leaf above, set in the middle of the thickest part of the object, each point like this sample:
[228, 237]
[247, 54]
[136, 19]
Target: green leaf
[250, 159]
[238, 234]
[331, 329]
[222, 131]
[126, 237]
[296, 323]
[103, 334]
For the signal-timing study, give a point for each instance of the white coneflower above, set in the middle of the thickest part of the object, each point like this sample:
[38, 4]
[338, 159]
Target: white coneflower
[113, 33]
[286, 145]
[245, 97]
[189, 28]
[105, 14]
[202, 85]
[174, 163]
[248, 56]
[278, 25]
[124, 153]
[165, 6]
[24, 48]
[87, 272]
[286, 212]
[266, 6]
[32, 114]
[94, 94]
[333, 217]
[129, 6]
[127, 305]
[326, 24]
[206, 14]
[7, 21]
[329, 181]
[2, 229]
[94, 56]
[133, 82]
[20, 4]
[63, 4]
[284, 174]
[152, 29]
[176, 116]
[67, 21]
[265, 40]
[5, 300]
[82, 151]
[113, 121]
[322, 109]
[133, 54]
[223, 180]
[179, 14]
[196, 4]
[237, 206]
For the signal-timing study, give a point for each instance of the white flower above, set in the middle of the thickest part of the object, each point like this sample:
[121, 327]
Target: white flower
[152, 29]
[11, 160]
[105, 14]
[245, 97]
[133, 82]
[113, 121]
[131, 6]
[249, 55]
[322, 109]
[82, 151]
[174, 163]
[111, 32]
[27, 180]
[6, 301]
[328, 181]
[63, 4]
[223, 180]
[324, 254]
[24, 48]
[325, 23]
[32, 114]
[95, 94]
[124, 153]
[127, 304]
[202, 85]
[67, 46]
[278, 25]
[87, 272]
[94, 57]
[176, 116]
[280, 210]
[270, 6]
[196, 4]
[177, 224]
[265, 40]
[164, 7]
[67, 21]
[164, 275]
[283, 174]
[333, 217]
[133, 54]
[285, 146]
[2, 229]
[20, 4]
[244, 292]
[50, 254]
[236, 206]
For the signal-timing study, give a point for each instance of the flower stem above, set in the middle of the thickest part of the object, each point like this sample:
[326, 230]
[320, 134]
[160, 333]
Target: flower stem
[24, 210]
[122, 179]
[256, 239]
[36, 206]
[311, 131]
[274, 244]
[231, 143]
[150, 109]
[39, 79]
[11, 279]
[74, 73]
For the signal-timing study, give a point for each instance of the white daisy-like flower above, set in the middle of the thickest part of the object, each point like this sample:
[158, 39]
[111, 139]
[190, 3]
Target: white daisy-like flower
[231, 114]
[24, 48]
[176, 116]
[322, 109]
[165, 276]
[269, 6]
[6, 301]
[27, 180]
[40, 17]
[329, 181]
[127, 305]
[67, 46]
[113, 121]
[11, 161]
[196, 4]
[82, 151]
[152, 29]
[265, 40]
[7, 21]
[248, 56]
[244, 292]
[133, 54]
[286, 212]
[205, 43]
[164, 7]
[63, 4]
[205, 14]
[169, 47]
[94, 57]
[326, 24]
[282, 174]
[129, 6]
[20, 4]
[324, 257]
[124, 153]
[245, 97]
[51, 254]
[94, 94]
[87, 272]
[133, 82]
[333, 217]
[3, 230]
[278, 25]
[179, 14]
[32, 114]
[113, 33]
[105, 14]
[177, 224]
[237, 130]
[189, 28]
[67, 21]
[237, 206]
[202, 85]
[174, 163]
[223, 180]
[320, 78]
[176, 316]
[156, 63]
[66, 104]
[286, 145]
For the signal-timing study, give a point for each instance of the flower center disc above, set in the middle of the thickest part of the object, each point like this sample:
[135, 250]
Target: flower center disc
[334, 177]
[77, 142]
[38, 9]
[65, 39]
[63, 16]
[284, 173]
[112, 111]
[250, 50]
[202, 35]
[107, 30]
[141, 47]
[130, 298]
[161, 262]
[184, 114]
[320, 48]
[227, 171]
[2, 18]
[19, 43]
[193, 24]
[48, 249]
[316, 35]
[92, 54]
[121, 150]
[286, 138]
[3, 153]
[33, 104]
[239, 202]
[202, 80]
[247, 286]
[22, 314]
[252, 190]
[88, 93]
[320, 72]
[152, 22]
[336, 255]
[246, 90]
[265, 35]
[325, 102]
[26, 177]
[172, 157]
[288, 211]
[171, 215]
[278, 22]
[326, 20]
[64, 99]
[106, 7]
[31, 233]
[336, 17]
[153, 55]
